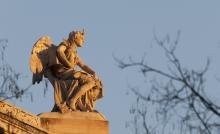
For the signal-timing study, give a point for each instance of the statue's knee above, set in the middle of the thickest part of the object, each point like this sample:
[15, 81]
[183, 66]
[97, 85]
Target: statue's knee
[90, 80]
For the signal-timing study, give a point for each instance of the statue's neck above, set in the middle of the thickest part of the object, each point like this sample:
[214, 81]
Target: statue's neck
[72, 45]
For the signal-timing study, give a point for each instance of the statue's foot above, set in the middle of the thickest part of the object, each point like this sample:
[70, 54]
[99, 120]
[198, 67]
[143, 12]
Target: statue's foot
[72, 105]
[64, 108]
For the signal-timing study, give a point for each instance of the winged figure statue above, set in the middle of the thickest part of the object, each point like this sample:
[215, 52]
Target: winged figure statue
[74, 89]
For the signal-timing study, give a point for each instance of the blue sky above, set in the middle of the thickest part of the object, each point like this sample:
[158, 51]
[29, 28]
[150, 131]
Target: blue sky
[120, 27]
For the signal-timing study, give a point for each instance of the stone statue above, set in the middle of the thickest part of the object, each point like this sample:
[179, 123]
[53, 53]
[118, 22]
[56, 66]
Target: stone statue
[73, 89]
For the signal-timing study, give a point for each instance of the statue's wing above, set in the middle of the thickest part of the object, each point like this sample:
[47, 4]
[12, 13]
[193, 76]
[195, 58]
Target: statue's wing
[39, 58]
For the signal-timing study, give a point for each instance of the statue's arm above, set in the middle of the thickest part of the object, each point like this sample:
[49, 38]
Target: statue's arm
[85, 67]
[62, 57]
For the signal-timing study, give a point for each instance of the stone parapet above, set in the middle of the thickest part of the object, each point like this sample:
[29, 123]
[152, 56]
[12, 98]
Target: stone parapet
[14, 120]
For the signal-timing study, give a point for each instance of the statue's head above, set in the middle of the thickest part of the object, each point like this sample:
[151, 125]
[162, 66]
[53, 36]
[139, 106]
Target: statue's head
[77, 37]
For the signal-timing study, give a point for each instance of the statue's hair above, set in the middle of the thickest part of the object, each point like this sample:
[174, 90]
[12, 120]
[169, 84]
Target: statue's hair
[72, 34]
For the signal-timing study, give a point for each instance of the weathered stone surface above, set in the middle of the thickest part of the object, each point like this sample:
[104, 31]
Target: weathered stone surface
[14, 120]
[75, 123]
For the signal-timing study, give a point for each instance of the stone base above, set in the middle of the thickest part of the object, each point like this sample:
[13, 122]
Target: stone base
[14, 120]
[74, 123]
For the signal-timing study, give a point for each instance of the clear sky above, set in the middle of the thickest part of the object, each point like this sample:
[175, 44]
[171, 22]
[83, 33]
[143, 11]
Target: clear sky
[122, 27]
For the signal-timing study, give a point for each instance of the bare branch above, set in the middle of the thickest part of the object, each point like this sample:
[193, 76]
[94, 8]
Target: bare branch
[9, 86]
[182, 99]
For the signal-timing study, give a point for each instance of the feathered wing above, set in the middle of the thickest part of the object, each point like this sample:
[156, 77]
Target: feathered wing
[39, 58]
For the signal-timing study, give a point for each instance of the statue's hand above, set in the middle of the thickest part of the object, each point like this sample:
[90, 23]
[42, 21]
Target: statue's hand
[71, 66]
[77, 74]
[64, 108]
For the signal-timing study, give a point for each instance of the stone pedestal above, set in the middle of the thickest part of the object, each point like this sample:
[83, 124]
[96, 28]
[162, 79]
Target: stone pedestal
[75, 123]
[14, 120]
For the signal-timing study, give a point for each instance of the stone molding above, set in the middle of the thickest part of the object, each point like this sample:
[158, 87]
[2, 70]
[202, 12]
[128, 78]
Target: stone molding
[19, 114]
[16, 120]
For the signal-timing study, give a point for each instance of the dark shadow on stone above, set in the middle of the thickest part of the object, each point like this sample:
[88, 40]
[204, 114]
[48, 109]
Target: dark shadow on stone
[2, 131]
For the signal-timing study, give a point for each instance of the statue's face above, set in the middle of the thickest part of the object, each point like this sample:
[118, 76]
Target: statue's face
[79, 39]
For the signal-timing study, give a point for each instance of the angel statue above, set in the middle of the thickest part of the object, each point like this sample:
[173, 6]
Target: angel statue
[74, 89]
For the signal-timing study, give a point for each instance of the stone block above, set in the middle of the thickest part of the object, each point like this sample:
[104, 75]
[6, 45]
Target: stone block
[75, 123]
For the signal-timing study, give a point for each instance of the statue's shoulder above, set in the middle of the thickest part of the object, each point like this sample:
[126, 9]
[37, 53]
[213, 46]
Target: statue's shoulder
[64, 43]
